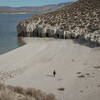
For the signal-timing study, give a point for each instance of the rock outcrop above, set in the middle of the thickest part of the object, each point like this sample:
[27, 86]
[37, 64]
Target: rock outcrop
[79, 20]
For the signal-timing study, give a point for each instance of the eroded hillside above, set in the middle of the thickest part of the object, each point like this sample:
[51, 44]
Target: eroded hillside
[80, 20]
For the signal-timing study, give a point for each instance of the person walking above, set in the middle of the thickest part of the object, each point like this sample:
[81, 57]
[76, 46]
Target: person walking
[54, 73]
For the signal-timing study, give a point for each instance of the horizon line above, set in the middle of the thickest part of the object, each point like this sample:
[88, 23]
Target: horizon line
[38, 5]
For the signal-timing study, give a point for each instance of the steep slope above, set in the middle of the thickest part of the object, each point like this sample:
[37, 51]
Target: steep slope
[79, 20]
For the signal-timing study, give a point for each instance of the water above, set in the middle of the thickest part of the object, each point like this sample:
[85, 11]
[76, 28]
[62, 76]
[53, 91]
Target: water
[8, 31]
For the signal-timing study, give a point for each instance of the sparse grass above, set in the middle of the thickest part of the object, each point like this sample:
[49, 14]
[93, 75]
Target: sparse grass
[18, 93]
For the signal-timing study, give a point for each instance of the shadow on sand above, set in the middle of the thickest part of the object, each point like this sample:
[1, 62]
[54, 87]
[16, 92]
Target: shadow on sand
[48, 75]
[86, 43]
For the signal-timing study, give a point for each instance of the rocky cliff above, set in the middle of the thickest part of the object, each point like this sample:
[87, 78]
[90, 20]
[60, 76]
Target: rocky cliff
[79, 20]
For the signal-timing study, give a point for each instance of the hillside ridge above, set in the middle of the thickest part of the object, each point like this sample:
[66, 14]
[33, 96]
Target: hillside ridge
[79, 20]
[33, 9]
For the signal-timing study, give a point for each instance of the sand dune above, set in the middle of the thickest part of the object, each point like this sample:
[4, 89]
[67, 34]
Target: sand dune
[77, 68]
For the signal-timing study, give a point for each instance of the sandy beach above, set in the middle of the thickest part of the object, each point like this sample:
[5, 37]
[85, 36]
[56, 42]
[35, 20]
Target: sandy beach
[77, 67]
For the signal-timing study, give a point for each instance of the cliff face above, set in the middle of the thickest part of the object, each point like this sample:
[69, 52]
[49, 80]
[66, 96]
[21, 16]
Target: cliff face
[79, 20]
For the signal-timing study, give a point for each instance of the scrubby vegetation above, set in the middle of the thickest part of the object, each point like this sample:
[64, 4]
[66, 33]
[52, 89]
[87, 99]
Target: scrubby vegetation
[83, 14]
[18, 93]
[79, 20]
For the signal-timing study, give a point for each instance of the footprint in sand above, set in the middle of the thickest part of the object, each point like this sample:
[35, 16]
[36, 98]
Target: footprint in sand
[73, 60]
[98, 85]
[61, 89]
[81, 91]
[59, 79]
[97, 67]
[78, 73]
[81, 76]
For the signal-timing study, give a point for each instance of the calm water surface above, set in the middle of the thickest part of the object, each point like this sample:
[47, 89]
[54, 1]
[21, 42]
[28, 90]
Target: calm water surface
[8, 32]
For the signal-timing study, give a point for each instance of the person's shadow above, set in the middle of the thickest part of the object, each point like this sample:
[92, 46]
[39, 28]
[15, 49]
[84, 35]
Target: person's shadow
[48, 75]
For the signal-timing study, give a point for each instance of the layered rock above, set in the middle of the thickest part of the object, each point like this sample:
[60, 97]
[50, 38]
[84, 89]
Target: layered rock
[79, 20]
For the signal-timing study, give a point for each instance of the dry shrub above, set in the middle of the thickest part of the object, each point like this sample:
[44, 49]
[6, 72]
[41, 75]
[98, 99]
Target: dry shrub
[31, 91]
[51, 97]
[16, 89]
[6, 94]
[37, 94]
[18, 93]
[19, 90]
[2, 86]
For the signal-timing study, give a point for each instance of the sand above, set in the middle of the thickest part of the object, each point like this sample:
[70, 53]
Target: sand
[32, 65]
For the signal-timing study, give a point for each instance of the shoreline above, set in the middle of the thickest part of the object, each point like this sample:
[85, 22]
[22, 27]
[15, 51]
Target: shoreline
[32, 64]
[22, 44]
[11, 50]
[16, 13]
[25, 42]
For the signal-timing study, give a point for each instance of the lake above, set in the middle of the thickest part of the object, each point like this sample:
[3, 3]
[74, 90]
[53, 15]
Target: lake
[8, 31]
